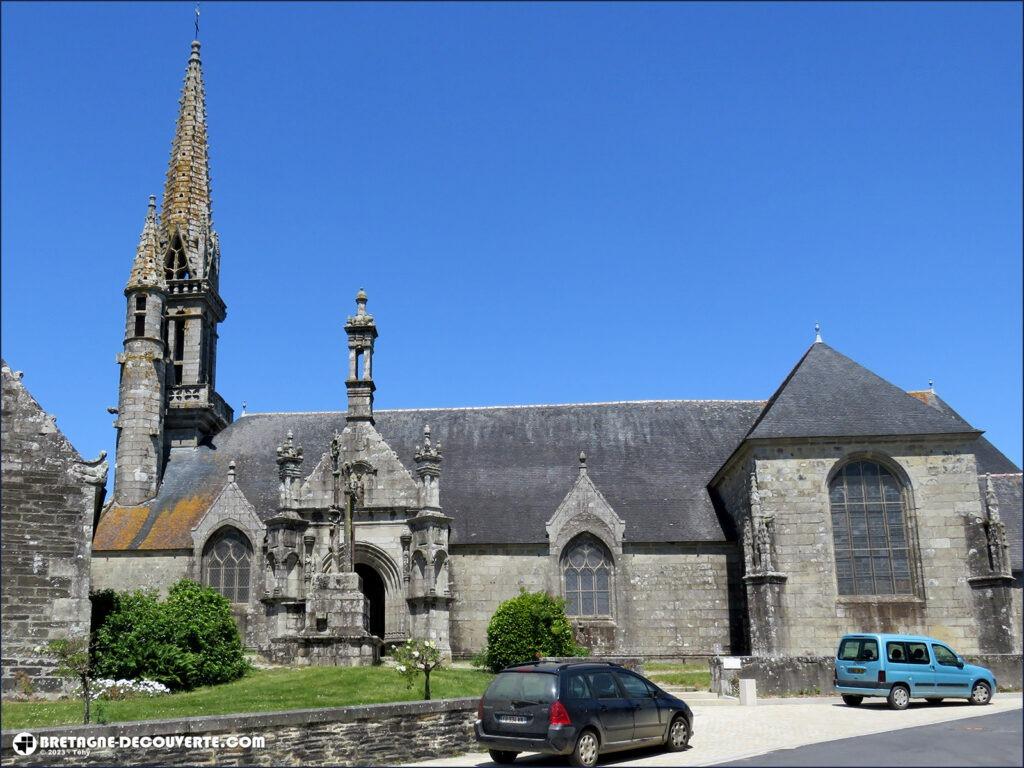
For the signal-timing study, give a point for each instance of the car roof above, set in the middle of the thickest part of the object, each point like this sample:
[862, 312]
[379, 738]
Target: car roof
[556, 666]
[883, 636]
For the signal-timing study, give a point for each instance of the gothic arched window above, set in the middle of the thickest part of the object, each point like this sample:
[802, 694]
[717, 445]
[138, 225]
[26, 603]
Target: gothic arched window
[869, 530]
[227, 564]
[586, 578]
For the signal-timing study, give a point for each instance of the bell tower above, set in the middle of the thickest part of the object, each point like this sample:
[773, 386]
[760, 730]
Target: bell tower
[191, 263]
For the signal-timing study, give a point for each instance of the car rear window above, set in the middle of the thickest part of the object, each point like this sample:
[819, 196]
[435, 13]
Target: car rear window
[858, 649]
[523, 686]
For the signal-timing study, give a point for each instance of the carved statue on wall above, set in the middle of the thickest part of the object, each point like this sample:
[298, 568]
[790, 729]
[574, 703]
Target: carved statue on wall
[761, 528]
[995, 531]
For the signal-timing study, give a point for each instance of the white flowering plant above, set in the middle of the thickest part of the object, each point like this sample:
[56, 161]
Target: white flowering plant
[415, 656]
[117, 690]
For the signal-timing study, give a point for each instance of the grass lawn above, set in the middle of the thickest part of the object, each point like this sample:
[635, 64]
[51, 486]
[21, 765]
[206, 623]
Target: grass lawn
[264, 690]
[695, 675]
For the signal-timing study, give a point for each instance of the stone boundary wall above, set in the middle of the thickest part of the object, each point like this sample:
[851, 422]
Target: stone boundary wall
[377, 734]
[812, 675]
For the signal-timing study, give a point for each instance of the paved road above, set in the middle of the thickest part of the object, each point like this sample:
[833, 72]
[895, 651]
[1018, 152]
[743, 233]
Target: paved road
[727, 734]
[992, 740]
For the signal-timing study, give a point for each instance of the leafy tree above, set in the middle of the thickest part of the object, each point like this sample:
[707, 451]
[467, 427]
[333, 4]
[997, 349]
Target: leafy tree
[189, 639]
[417, 656]
[528, 627]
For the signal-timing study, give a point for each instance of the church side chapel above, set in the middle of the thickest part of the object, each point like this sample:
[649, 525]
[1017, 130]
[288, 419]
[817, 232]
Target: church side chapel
[672, 528]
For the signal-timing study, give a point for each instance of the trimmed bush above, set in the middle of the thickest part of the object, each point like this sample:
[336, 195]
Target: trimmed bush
[527, 627]
[188, 640]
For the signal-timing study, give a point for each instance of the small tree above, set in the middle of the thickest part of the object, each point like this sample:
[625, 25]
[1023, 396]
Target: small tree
[74, 661]
[529, 627]
[417, 656]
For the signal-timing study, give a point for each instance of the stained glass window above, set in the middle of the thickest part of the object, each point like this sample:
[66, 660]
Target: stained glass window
[869, 531]
[586, 574]
[227, 565]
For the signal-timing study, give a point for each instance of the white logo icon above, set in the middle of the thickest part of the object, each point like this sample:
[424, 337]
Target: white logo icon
[25, 744]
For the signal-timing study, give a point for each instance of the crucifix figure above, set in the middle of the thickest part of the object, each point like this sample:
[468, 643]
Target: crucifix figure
[341, 561]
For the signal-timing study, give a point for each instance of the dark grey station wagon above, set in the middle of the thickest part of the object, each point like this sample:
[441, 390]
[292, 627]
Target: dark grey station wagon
[579, 709]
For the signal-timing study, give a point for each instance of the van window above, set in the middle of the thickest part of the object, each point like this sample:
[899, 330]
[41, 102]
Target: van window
[896, 652]
[917, 653]
[524, 686]
[858, 649]
[944, 656]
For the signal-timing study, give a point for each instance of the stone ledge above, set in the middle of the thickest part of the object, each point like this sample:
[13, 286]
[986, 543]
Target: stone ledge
[243, 722]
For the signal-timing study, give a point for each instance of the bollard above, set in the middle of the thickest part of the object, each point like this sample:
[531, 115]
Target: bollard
[748, 692]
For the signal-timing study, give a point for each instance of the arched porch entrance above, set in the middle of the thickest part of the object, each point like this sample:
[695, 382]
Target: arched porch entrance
[375, 593]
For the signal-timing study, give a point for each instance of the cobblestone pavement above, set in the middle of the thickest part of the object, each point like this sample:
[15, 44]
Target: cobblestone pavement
[728, 733]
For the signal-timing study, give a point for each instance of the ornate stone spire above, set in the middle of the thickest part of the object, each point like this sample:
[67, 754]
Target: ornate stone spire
[289, 470]
[147, 272]
[362, 331]
[187, 201]
[428, 467]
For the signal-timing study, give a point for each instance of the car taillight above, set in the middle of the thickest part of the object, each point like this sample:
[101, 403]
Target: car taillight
[881, 675]
[559, 714]
[480, 709]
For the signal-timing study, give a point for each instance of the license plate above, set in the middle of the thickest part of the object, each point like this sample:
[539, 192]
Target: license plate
[513, 719]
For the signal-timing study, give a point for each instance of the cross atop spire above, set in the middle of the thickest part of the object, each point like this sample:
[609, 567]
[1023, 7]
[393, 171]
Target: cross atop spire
[187, 210]
[146, 269]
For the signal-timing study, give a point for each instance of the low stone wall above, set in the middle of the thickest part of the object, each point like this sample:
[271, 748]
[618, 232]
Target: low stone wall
[1005, 666]
[813, 675]
[379, 734]
[775, 675]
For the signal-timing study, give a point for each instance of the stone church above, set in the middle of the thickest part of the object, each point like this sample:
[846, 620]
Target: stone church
[672, 528]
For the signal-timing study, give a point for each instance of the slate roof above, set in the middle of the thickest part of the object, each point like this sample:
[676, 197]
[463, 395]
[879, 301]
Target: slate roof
[504, 474]
[506, 469]
[827, 394]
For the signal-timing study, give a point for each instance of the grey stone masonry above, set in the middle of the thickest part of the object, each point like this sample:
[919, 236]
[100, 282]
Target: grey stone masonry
[380, 734]
[941, 506]
[140, 410]
[50, 498]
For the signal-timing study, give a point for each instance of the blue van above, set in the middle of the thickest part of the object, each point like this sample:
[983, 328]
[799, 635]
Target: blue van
[902, 667]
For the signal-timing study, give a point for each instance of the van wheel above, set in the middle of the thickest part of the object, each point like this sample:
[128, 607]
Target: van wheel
[852, 701]
[981, 693]
[585, 753]
[502, 757]
[678, 734]
[934, 700]
[899, 697]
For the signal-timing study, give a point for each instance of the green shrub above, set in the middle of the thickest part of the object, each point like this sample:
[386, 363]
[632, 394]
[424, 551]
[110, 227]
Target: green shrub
[188, 640]
[527, 627]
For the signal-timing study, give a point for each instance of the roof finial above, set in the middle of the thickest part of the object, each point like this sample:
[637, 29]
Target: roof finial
[931, 386]
[361, 302]
[817, 333]
[231, 471]
[243, 407]
[583, 463]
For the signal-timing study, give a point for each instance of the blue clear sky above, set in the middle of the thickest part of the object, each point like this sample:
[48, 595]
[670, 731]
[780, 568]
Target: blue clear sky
[545, 203]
